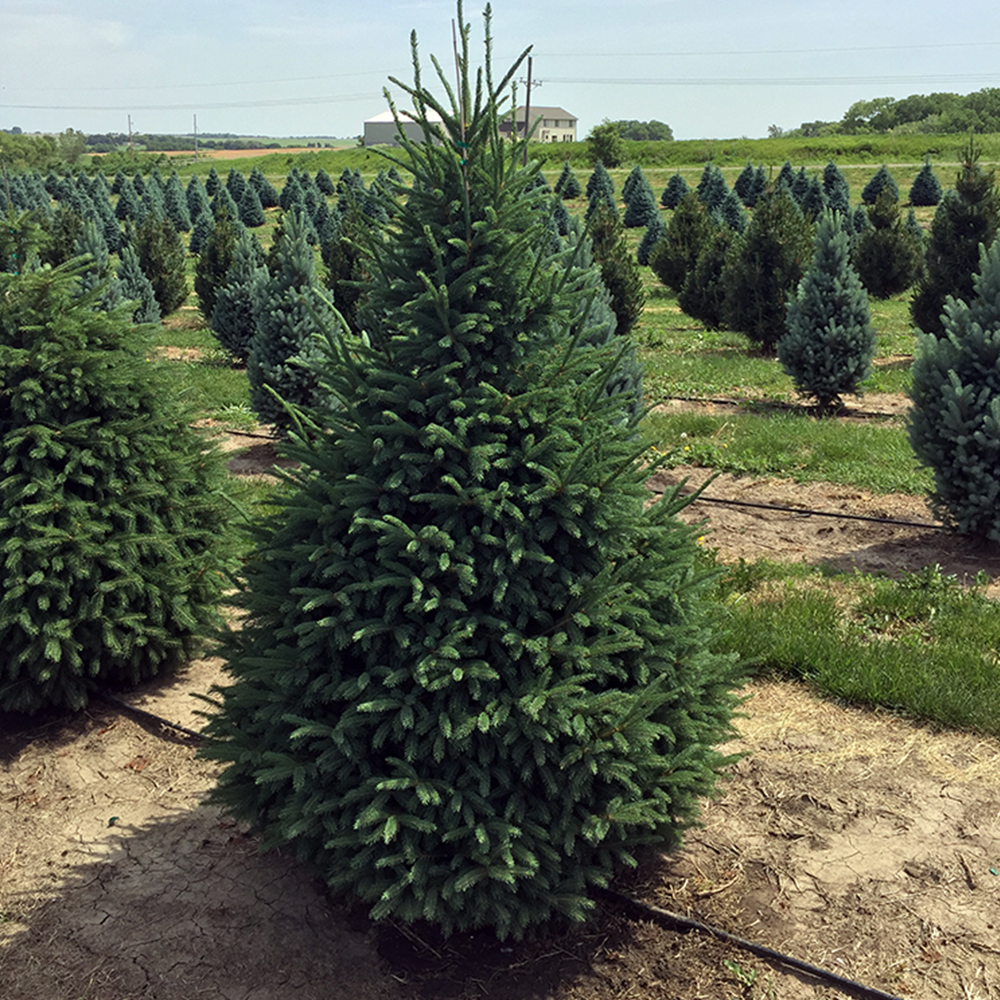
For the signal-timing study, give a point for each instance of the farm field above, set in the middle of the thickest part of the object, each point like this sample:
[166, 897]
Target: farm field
[860, 839]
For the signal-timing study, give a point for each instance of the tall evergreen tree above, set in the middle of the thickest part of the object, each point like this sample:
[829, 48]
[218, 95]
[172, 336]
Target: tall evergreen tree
[250, 209]
[128, 206]
[674, 256]
[197, 198]
[731, 214]
[600, 182]
[955, 419]
[265, 189]
[290, 312]
[201, 230]
[786, 177]
[640, 204]
[136, 288]
[233, 316]
[175, 204]
[703, 294]
[474, 675]
[324, 183]
[236, 184]
[886, 256]
[829, 343]
[162, 258]
[814, 201]
[213, 182]
[111, 528]
[215, 259]
[655, 231]
[348, 264]
[766, 263]
[744, 184]
[712, 189]
[619, 271]
[968, 216]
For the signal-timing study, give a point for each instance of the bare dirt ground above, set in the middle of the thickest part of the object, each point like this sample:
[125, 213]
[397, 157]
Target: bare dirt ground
[855, 840]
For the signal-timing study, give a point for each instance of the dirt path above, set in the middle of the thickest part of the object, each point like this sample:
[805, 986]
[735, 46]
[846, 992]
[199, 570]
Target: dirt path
[855, 840]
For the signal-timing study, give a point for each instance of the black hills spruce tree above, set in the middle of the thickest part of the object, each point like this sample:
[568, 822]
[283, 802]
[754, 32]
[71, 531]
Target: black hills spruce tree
[111, 522]
[967, 217]
[290, 311]
[474, 675]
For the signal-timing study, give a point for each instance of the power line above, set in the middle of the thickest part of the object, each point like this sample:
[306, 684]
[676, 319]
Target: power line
[760, 52]
[779, 81]
[275, 102]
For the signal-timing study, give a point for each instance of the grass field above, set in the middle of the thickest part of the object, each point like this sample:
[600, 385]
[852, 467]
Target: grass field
[922, 645]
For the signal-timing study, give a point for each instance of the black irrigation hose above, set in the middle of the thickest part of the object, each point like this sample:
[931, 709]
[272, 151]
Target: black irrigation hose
[635, 908]
[808, 512]
[674, 921]
[874, 414]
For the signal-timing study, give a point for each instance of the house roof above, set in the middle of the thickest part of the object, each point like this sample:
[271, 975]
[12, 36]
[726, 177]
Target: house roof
[538, 111]
[386, 117]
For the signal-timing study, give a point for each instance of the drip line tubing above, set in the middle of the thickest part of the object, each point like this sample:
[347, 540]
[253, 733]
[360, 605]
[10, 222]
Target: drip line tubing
[808, 512]
[674, 921]
[864, 414]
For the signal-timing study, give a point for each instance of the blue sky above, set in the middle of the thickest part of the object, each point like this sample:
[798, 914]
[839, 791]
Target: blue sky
[715, 69]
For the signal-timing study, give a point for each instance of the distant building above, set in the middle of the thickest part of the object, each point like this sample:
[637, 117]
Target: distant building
[550, 124]
[383, 131]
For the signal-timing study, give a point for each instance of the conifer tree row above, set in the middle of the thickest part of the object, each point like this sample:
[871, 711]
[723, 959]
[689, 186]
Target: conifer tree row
[475, 673]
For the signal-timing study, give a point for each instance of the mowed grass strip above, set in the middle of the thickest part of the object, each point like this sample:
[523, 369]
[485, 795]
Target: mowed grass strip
[923, 645]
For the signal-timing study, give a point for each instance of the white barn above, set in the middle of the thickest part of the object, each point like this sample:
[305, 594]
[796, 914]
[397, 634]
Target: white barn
[382, 131]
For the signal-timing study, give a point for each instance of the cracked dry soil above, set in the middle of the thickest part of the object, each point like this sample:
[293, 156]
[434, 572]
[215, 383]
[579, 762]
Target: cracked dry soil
[855, 840]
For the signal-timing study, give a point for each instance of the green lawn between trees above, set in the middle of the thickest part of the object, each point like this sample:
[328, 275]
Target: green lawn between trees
[871, 641]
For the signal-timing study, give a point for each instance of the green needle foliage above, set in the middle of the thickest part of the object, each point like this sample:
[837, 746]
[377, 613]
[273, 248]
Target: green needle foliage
[829, 342]
[675, 191]
[926, 188]
[881, 181]
[290, 311]
[955, 421]
[674, 256]
[110, 517]
[474, 675]
[886, 255]
[765, 264]
[233, 316]
[967, 218]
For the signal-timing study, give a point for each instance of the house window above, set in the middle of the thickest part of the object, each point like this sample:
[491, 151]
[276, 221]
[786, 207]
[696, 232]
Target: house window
[567, 138]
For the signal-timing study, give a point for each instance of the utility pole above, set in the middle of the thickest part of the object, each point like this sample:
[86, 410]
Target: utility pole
[527, 110]
[527, 113]
[129, 135]
[195, 138]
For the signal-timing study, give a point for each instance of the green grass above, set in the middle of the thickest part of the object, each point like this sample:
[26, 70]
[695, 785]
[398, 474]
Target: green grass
[792, 444]
[923, 645]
